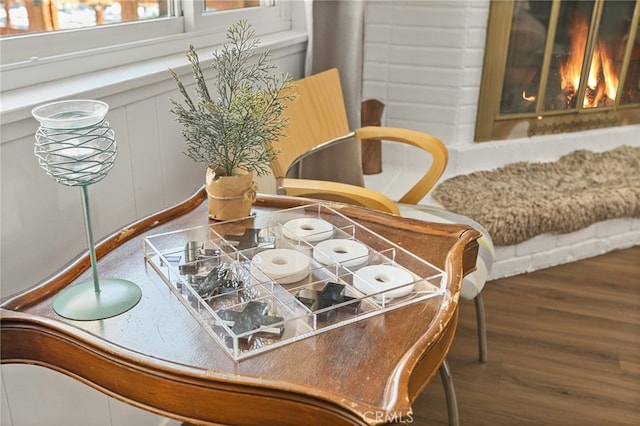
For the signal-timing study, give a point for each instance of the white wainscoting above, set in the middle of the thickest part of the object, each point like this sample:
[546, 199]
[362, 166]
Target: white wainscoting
[43, 225]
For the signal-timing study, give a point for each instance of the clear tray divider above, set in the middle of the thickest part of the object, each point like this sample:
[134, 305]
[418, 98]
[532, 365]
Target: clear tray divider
[260, 283]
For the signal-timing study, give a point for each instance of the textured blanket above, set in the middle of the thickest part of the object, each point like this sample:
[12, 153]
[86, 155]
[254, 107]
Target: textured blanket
[521, 200]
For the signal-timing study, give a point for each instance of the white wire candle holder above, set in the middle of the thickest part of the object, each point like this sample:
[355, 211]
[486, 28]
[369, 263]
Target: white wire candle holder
[77, 147]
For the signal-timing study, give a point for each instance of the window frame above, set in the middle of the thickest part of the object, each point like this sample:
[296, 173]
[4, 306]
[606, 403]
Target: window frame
[89, 50]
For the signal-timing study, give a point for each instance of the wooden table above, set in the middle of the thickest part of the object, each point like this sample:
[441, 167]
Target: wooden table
[157, 357]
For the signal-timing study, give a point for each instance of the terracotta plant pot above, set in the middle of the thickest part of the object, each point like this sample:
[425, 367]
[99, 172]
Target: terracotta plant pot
[230, 197]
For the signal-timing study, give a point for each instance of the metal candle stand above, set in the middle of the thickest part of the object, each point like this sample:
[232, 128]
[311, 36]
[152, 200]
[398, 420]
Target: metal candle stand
[77, 147]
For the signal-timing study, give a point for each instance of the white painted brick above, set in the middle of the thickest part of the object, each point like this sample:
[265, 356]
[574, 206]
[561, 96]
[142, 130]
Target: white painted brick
[473, 58]
[442, 131]
[378, 13]
[422, 94]
[396, 189]
[389, 181]
[465, 132]
[508, 263]
[466, 114]
[537, 244]
[477, 15]
[374, 90]
[613, 227]
[628, 239]
[537, 152]
[419, 112]
[575, 237]
[436, 77]
[450, 170]
[504, 252]
[376, 72]
[469, 128]
[546, 259]
[431, 3]
[418, 159]
[476, 39]
[478, 159]
[377, 34]
[468, 95]
[425, 36]
[563, 255]
[429, 57]
[509, 267]
[590, 248]
[376, 53]
[430, 16]
[471, 77]
[392, 154]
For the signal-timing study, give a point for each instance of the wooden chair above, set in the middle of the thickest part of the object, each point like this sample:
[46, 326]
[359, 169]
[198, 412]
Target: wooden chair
[318, 119]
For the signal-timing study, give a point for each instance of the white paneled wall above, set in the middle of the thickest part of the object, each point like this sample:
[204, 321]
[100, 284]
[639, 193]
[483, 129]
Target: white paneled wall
[43, 225]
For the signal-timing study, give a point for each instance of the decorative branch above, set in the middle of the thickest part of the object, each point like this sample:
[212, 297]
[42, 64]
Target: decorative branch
[237, 129]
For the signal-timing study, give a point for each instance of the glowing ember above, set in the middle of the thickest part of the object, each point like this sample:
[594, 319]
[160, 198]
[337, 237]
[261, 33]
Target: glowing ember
[527, 97]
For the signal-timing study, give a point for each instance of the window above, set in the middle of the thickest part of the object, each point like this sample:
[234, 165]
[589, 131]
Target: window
[31, 16]
[119, 34]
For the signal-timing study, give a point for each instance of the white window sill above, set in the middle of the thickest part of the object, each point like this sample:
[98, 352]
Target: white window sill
[16, 104]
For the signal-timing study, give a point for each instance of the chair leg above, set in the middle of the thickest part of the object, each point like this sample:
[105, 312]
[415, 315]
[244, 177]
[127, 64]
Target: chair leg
[450, 394]
[482, 328]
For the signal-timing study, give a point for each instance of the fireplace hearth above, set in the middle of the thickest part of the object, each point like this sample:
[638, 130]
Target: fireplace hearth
[554, 66]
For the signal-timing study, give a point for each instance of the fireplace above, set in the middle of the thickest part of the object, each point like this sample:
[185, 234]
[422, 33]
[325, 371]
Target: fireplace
[554, 66]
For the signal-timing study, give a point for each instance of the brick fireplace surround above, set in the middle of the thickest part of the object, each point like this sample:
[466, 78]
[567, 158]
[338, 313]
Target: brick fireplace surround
[423, 60]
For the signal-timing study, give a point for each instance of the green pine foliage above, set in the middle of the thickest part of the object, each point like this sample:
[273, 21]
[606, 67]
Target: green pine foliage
[237, 128]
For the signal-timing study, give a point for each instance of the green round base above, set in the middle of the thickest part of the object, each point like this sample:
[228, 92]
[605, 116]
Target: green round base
[81, 302]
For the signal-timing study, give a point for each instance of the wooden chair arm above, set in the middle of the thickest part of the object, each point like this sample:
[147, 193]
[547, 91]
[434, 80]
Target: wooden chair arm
[421, 140]
[335, 191]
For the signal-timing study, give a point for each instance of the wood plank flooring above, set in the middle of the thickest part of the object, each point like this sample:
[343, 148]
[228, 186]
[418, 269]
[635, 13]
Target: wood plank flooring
[564, 349]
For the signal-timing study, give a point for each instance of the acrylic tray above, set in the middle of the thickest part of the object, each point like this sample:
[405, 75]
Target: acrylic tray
[260, 283]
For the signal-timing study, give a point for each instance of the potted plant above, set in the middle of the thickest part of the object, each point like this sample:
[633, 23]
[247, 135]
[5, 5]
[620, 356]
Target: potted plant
[231, 126]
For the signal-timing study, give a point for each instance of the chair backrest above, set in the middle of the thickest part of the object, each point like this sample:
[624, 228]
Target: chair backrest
[317, 116]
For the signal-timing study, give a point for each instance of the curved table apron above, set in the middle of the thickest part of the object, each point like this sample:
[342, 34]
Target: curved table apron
[157, 357]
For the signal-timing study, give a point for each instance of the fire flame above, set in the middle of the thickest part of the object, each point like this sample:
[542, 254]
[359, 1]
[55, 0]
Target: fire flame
[602, 82]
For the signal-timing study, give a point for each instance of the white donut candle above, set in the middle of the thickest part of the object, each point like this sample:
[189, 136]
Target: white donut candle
[378, 278]
[342, 251]
[308, 229]
[285, 266]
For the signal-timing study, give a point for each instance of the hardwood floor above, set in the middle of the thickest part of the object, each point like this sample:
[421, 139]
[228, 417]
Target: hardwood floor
[564, 349]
